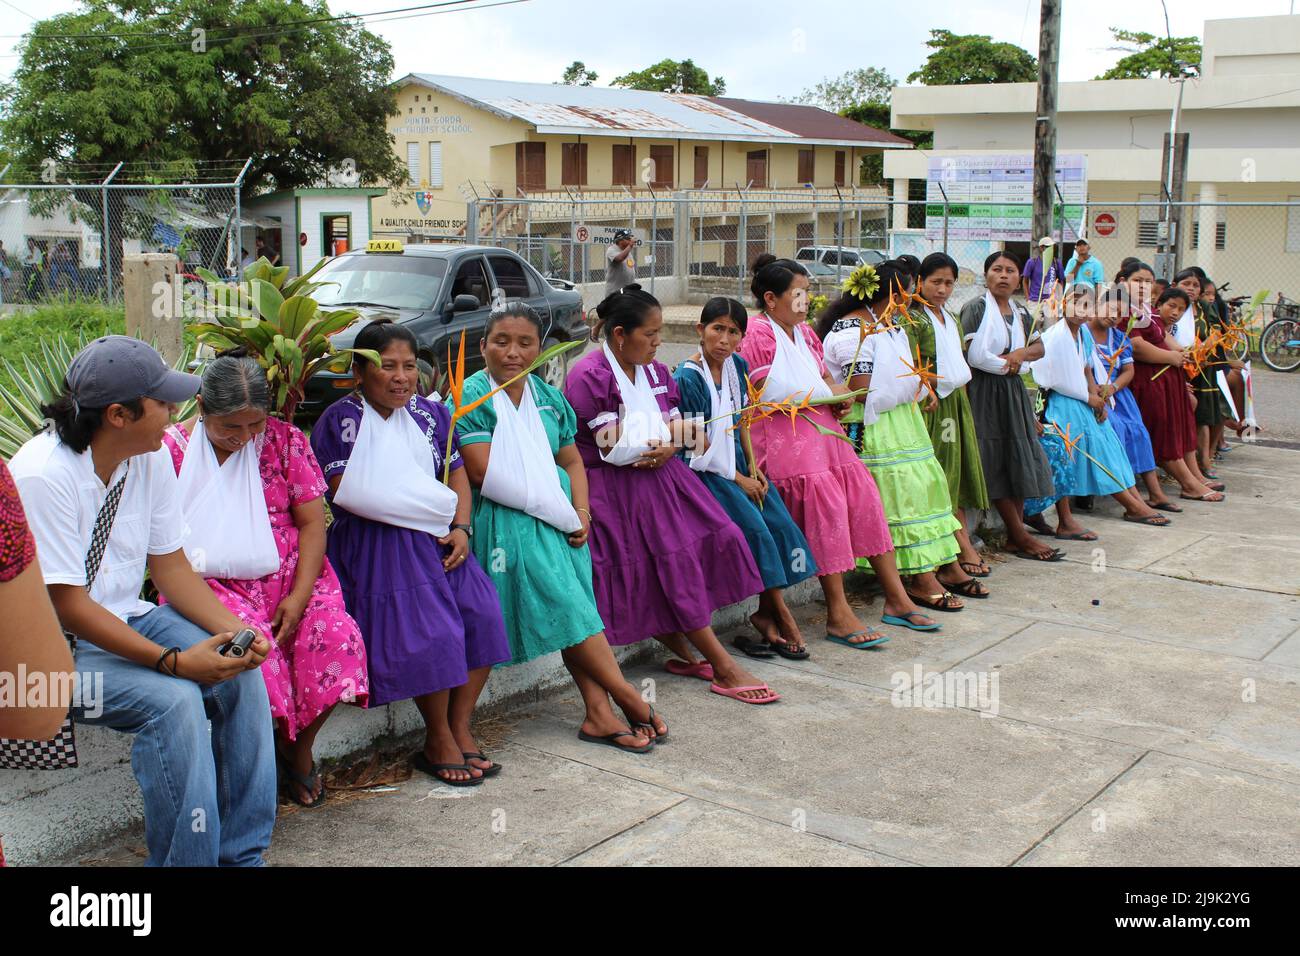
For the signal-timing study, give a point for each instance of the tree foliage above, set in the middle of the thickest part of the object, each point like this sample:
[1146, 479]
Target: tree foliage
[855, 88]
[1149, 55]
[960, 60]
[205, 80]
[577, 74]
[673, 76]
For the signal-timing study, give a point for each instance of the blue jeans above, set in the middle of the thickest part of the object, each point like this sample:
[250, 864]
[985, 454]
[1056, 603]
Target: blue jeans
[209, 795]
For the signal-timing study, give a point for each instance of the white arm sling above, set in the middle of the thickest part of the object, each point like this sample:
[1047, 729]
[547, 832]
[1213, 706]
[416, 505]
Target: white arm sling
[391, 476]
[225, 507]
[720, 458]
[521, 468]
[642, 420]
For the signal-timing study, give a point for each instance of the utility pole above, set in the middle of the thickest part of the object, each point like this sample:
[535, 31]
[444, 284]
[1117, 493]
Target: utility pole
[1049, 54]
[1175, 174]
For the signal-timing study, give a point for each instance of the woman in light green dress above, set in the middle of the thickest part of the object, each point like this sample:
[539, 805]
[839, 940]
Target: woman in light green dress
[531, 519]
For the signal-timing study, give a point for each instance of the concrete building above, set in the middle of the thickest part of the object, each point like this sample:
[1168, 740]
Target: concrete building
[529, 150]
[1243, 117]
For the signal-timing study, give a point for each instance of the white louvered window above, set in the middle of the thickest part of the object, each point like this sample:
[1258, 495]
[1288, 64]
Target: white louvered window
[1220, 225]
[435, 165]
[1148, 221]
[413, 163]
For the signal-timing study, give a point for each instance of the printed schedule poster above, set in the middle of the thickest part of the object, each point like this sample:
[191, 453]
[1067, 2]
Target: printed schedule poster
[992, 197]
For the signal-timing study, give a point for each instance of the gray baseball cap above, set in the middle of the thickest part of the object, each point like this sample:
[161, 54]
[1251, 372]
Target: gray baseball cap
[118, 368]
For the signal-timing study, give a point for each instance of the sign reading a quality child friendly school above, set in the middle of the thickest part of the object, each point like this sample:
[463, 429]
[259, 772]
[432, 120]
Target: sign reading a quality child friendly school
[992, 197]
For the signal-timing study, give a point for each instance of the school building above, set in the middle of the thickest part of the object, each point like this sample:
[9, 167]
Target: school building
[1243, 119]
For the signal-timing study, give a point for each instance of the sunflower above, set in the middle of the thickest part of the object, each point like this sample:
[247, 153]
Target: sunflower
[862, 282]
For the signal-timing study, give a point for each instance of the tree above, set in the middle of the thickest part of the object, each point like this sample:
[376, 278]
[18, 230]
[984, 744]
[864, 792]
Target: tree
[207, 80]
[671, 76]
[1151, 55]
[577, 74]
[863, 96]
[959, 60]
[850, 90]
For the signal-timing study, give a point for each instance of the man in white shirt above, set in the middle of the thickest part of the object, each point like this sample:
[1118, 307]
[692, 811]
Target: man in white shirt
[164, 676]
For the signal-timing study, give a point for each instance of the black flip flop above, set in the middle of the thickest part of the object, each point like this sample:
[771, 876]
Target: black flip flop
[932, 605]
[1056, 555]
[609, 739]
[307, 782]
[752, 648]
[967, 589]
[425, 765]
[1167, 506]
[967, 565]
[491, 771]
[649, 725]
[1156, 521]
[784, 650]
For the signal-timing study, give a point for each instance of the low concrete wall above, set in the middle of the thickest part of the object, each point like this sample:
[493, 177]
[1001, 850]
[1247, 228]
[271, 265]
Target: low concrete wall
[45, 816]
[669, 290]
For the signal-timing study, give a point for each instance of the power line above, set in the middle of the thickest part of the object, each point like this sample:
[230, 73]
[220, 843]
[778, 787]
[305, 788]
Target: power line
[12, 7]
[148, 33]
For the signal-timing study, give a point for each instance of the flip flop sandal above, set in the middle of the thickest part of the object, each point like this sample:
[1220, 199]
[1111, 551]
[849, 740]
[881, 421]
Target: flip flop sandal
[491, 771]
[1167, 506]
[425, 765]
[752, 648]
[1216, 485]
[858, 645]
[1056, 555]
[611, 740]
[307, 782]
[1213, 497]
[735, 692]
[905, 620]
[1211, 477]
[935, 602]
[1084, 535]
[700, 669]
[977, 573]
[969, 589]
[650, 726]
[1156, 521]
[791, 655]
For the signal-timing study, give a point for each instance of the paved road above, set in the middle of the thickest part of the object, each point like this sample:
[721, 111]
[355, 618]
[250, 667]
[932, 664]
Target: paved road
[1277, 403]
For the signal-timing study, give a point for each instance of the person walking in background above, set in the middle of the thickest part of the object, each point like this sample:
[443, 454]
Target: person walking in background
[1037, 283]
[1083, 268]
[620, 265]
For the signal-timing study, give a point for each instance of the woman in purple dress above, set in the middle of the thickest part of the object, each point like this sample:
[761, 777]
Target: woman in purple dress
[664, 554]
[400, 544]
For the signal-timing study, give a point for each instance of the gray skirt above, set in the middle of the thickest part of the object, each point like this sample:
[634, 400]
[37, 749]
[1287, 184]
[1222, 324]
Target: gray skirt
[1015, 465]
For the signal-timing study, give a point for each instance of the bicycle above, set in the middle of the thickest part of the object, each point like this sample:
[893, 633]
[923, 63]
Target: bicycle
[1279, 343]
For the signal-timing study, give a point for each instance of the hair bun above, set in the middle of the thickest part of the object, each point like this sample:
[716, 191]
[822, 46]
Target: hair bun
[238, 352]
[764, 259]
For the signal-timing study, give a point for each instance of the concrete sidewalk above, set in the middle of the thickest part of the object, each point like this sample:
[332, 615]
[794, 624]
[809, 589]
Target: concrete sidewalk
[1147, 703]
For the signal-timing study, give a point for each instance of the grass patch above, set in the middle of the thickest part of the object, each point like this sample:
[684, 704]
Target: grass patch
[22, 333]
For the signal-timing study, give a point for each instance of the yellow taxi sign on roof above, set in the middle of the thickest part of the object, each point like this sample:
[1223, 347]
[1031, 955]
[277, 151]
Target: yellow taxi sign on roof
[384, 245]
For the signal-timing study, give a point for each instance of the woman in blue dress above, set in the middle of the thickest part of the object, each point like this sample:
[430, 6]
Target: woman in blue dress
[1086, 454]
[1128, 301]
[712, 383]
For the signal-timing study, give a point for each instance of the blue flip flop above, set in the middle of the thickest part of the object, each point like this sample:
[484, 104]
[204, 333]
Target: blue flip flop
[905, 620]
[859, 645]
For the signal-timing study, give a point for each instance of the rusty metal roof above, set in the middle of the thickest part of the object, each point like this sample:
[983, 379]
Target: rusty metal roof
[812, 122]
[604, 111]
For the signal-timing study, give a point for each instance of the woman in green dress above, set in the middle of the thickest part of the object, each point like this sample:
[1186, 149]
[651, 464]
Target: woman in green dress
[531, 519]
[935, 334]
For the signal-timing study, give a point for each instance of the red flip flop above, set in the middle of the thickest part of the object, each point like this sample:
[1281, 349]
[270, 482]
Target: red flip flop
[703, 669]
[735, 692]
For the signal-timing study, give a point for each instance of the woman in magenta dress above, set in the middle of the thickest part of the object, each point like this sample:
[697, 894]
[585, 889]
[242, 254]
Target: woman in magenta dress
[828, 491]
[1163, 396]
[664, 554]
[225, 458]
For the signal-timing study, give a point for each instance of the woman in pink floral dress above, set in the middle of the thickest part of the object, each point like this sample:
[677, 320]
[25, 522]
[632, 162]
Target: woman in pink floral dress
[277, 578]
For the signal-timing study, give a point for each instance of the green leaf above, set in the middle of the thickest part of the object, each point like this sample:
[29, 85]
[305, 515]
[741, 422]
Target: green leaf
[266, 299]
[295, 313]
[295, 287]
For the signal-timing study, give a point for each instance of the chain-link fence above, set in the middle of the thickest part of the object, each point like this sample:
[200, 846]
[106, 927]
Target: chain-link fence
[67, 238]
[696, 243]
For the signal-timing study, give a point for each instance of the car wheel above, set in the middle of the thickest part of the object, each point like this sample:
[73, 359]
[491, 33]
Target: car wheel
[555, 371]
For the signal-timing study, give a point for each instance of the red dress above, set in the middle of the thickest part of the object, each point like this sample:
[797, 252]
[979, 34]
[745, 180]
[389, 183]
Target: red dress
[1165, 405]
[17, 546]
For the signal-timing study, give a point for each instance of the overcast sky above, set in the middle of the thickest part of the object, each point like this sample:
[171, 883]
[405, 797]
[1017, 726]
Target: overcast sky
[764, 49]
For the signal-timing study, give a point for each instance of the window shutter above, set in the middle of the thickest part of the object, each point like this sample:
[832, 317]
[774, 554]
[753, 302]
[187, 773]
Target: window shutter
[435, 165]
[413, 164]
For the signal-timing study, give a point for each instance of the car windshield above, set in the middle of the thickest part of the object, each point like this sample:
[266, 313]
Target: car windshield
[399, 282]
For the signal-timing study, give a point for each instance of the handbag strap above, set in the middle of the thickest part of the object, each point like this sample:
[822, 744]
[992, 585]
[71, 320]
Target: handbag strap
[99, 538]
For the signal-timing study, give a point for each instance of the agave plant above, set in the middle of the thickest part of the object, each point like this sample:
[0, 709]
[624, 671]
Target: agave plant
[38, 382]
[280, 325]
